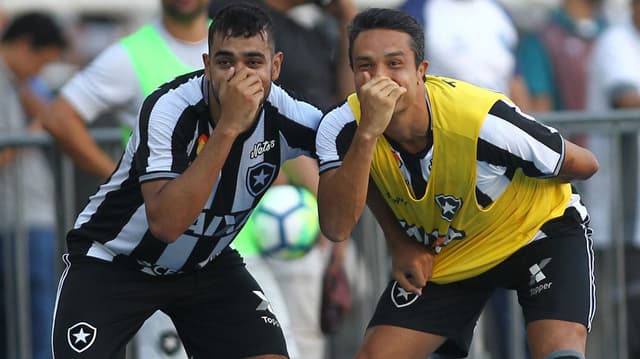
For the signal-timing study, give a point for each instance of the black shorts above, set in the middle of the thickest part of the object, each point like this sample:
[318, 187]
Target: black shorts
[553, 278]
[219, 311]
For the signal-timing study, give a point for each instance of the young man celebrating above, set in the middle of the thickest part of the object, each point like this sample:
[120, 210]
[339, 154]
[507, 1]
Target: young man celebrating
[207, 146]
[471, 194]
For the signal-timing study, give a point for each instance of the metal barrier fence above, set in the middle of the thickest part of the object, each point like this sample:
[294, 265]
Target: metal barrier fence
[609, 339]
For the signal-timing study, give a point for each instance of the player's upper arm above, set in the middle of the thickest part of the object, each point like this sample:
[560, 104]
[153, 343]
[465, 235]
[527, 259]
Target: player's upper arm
[108, 82]
[579, 163]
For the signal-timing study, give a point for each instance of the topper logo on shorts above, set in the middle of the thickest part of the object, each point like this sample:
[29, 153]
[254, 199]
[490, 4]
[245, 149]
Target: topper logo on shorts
[538, 276]
[400, 297]
[265, 305]
[81, 336]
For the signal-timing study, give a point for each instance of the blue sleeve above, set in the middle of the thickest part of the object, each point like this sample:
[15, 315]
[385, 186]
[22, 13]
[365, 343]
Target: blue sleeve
[535, 66]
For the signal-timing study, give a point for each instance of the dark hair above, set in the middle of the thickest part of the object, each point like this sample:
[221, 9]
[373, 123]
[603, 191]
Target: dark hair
[40, 28]
[389, 19]
[242, 19]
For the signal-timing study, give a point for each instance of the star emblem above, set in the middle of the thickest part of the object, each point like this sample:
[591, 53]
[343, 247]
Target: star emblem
[260, 177]
[449, 206]
[81, 336]
[401, 297]
[403, 293]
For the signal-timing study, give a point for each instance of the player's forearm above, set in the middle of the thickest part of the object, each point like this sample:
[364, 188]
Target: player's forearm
[69, 131]
[174, 207]
[342, 192]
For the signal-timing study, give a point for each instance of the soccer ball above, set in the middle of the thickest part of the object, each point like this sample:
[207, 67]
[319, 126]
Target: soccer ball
[285, 222]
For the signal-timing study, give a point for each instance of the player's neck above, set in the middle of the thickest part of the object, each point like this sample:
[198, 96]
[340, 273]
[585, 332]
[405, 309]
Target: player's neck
[187, 31]
[410, 129]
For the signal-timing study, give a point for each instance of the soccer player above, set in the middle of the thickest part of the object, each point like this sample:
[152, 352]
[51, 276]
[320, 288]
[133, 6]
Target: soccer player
[471, 194]
[155, 236]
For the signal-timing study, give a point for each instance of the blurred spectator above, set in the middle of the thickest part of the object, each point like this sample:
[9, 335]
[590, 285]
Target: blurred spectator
[29, 42]
[615, 71]
[116, 82]
[471, 40]
[554, 59]
[120, 77]
[614, 83]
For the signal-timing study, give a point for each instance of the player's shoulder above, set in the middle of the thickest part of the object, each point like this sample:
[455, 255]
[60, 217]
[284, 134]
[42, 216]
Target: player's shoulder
[176, 95]
[337, 118]
[293, 108]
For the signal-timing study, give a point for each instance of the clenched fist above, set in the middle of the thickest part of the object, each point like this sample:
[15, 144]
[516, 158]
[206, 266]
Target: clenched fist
[378, 99]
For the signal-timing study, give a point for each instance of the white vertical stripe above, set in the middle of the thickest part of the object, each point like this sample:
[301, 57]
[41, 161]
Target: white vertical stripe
[176, 253]
[131, 233]
[592, 280]
[65, 259]
[99, 251]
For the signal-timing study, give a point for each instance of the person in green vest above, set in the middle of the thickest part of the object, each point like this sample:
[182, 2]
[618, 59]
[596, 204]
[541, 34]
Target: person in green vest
[120, 77]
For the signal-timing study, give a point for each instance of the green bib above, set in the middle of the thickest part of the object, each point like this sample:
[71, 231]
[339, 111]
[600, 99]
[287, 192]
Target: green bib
[153, 61]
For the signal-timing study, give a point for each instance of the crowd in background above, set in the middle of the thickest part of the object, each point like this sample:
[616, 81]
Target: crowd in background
[546, 55]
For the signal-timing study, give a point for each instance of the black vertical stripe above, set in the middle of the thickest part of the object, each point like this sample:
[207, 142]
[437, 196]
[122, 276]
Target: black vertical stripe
[344, 139]
[149, 249]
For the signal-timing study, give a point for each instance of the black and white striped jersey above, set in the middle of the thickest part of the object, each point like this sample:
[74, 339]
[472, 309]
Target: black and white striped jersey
[509, 140]
[174, 123]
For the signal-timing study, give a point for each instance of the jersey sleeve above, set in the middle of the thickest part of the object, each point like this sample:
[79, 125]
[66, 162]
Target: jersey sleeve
[514, 140]
[108, 82]
[334, 137]
[162, 150]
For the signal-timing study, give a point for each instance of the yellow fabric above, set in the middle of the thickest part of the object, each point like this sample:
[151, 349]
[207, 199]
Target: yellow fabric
[475, 239]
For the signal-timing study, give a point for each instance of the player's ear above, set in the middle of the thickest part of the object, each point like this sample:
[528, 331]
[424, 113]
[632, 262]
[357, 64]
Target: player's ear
[278, 57]
[422, 70]
[205, 60]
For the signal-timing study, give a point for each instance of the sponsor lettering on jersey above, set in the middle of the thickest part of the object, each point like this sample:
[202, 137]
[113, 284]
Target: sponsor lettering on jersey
[262, 147]
[208, 224]
[432, 239]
